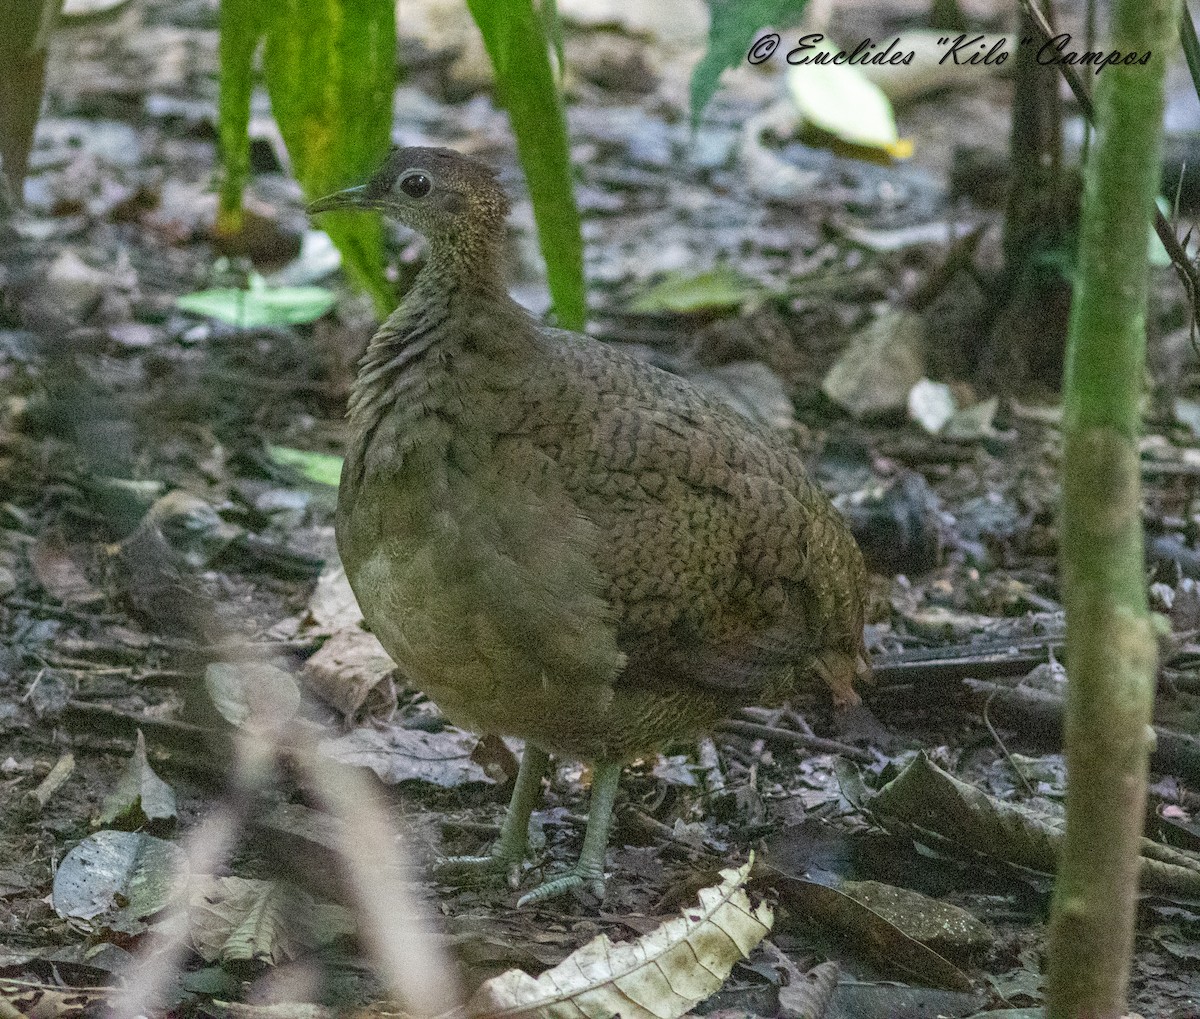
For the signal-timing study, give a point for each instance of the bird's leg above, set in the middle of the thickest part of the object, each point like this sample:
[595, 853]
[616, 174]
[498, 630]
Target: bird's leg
[509, 851]
[590, 867]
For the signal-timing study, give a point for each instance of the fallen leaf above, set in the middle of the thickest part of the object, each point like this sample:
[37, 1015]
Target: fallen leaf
[115, 879]
[252, 309]
[407, 755]
[323, 468]
[352, 673]
[661, 975]
[333, 606]
[709, 291]
[140, 795]
[60, 575]
[235, 919]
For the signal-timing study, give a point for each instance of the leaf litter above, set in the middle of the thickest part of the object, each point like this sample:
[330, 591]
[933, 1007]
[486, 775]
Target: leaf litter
[94, 649]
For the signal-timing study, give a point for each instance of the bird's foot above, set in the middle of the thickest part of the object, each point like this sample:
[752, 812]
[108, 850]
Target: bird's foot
[509, 851]
[578, 876]
[465, 869]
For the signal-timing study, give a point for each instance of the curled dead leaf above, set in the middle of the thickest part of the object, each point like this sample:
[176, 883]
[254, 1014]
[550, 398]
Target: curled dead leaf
[661, 975]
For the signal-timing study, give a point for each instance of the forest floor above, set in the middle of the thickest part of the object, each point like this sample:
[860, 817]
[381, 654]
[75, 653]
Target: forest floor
[152, 544]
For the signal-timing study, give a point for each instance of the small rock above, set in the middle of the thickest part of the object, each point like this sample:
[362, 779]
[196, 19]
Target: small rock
[750, 388]
[74, 287]
[318, 258]
[132, 335]
[975, 422]
[931, 405]
[879, 368]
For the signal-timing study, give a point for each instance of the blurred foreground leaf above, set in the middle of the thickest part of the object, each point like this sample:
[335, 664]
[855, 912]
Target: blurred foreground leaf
[733, 26]
[515, 35]
[330, 68]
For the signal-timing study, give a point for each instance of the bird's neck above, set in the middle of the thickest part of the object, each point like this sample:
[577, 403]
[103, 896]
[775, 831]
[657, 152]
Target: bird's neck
[471, 259]
[457, 332]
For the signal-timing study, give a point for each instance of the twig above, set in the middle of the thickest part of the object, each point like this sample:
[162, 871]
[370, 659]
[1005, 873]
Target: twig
[714, 781]
[52, 782]
[1039, 714]
[787, 738]
[122, 723]
[1003, 749]
[950, 665]
[63, 611]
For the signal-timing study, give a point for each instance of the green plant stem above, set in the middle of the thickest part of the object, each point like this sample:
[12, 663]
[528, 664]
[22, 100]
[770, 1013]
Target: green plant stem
[1111, 649]
[24, 32]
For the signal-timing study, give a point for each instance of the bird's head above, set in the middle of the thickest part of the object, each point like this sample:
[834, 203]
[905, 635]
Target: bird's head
[452, 199]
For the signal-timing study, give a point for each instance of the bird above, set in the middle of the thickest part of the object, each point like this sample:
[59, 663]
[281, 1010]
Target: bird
[557, 541]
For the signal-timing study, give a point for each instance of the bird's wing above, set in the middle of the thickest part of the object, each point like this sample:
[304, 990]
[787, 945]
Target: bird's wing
[724, 564]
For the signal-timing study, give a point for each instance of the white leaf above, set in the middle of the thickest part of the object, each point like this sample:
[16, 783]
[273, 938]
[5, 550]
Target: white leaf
[661, 975]
[839, 99]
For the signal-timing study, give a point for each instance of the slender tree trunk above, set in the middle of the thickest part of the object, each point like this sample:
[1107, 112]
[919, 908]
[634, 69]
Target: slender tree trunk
[1110, 640]
[1031, 299]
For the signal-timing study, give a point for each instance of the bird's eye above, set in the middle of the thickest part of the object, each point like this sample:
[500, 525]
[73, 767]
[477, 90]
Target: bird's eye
[415, 185]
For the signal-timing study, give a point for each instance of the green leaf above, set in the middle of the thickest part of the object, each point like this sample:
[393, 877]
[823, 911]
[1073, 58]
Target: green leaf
[319, 467]
[330, 70]
[720, 288]
[514, 34]
[253, 309]
[732, 28]
[242, 23]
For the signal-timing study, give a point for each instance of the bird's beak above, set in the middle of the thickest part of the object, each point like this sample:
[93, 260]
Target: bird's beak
[348, 198]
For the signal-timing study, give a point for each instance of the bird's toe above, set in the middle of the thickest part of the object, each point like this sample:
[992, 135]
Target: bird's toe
[470, 869]
[577, 877]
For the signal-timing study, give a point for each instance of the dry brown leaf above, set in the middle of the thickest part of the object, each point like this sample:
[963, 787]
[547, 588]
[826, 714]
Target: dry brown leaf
[661, 975]
[333, 606]
[60, 575]
[237, 919]
[352, 673]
